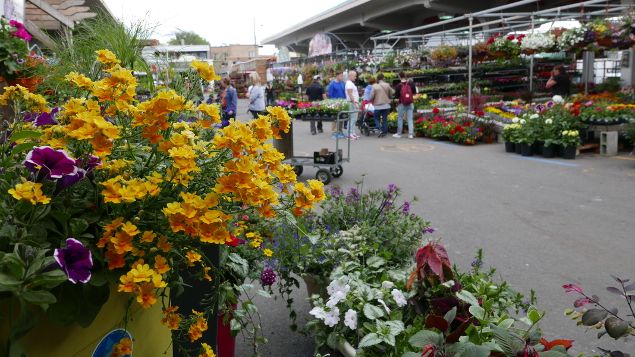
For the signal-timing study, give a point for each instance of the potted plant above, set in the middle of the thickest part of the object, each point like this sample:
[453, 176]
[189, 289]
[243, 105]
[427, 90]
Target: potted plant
[511, 136]
[526, 137]
[13, 48]
[549, 139]
[132, 203]
[569, 139]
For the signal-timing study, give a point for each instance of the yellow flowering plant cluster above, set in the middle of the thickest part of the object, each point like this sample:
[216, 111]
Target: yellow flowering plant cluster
[134, 195]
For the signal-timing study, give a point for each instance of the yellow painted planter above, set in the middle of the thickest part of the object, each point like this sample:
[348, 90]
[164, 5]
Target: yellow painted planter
[150, 337]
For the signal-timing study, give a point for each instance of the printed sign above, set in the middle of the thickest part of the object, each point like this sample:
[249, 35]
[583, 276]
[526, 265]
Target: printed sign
[117, 342]
[320, 45]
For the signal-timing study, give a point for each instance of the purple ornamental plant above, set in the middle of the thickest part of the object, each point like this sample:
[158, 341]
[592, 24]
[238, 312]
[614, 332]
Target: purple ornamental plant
[49, 163]
[75, 260]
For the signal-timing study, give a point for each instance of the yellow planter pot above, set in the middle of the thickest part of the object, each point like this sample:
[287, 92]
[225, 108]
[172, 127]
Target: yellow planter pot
[150, 337]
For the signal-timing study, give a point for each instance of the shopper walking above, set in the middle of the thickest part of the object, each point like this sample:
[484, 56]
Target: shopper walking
[336, 90]
[380, 95]
[404, 94]
[271, 96]
[352, 95]
[315, 92]
[256, 95]
[229, 101]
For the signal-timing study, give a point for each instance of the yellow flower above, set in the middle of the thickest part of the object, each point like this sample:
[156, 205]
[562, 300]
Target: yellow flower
[79, 80]
[29, 191]
[205, 70]
[207, 351]
[267, 252]
[32, 102]
[141, 273]
[212, 111]
[107, 58]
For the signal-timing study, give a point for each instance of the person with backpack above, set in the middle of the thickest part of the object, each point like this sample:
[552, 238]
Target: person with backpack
[404, 94]
[380, 95]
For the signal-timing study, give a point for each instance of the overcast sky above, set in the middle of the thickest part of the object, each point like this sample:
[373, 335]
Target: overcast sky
[220, 21]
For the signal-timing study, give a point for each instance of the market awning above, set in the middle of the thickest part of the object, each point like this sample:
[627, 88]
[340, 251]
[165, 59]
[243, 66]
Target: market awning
[54, 15]
[353, 23]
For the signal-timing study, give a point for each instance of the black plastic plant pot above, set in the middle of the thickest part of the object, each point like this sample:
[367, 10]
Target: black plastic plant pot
[568, 152]
[526, 149]
[537, 147]
[548, 151]
[517, 148]
[510, 147]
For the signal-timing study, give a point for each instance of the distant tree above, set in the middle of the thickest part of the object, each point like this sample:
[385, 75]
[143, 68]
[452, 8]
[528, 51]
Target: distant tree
[187, 38]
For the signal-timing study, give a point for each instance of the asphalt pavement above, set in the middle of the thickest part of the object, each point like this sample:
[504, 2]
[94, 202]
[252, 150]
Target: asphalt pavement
[541, 222]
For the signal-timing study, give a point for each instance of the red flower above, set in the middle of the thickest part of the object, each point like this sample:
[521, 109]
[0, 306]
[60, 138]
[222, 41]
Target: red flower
[233, 242]
[581, 302]
[511, 37]
[571, 288]
[491, 40]
[549, 345]
[435, 111]
[480, 113]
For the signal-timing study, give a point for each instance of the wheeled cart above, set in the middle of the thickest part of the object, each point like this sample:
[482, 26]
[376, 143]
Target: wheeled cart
[327, 167]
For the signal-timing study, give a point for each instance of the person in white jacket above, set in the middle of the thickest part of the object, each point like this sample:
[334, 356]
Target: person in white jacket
[256, 95]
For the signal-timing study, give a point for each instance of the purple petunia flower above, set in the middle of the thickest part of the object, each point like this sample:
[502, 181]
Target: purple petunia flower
[50, 163]
[75, 260]
[93, 162]
[47, 118]
[20, 31]
[70, 180]
[550, 104]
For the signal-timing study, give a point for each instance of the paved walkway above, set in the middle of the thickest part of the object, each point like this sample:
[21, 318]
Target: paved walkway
[542, 223]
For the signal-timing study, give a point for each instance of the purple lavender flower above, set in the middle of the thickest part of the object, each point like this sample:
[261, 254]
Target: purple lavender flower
[477, 263]
[268, 277]
[392, 188]
[353, 195]
[75, 260]
[406, 208]
[50, 163]
[336, 192]
[429, 230]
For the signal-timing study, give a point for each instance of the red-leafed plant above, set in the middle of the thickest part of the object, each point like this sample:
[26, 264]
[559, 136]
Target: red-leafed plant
[433, 265]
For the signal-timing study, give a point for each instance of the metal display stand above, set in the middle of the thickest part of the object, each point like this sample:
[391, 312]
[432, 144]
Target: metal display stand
[326, 170]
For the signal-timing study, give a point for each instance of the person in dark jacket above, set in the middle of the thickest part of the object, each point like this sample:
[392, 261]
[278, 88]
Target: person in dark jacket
[315, 92]
[559, 83]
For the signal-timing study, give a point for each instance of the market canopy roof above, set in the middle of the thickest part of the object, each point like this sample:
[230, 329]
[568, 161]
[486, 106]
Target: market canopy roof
[353, 23]
[54, 15]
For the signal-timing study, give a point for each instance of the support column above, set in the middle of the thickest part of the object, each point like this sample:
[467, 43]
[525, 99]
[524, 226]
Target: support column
[469, 68]
[628, 67]
[588, 70]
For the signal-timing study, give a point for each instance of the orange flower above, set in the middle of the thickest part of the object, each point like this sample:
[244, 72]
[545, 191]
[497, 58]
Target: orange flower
[171, 319]
[146, 295]
[161, 265]
[127, 284]
[193, 257]
[114, 260]
[164, 245]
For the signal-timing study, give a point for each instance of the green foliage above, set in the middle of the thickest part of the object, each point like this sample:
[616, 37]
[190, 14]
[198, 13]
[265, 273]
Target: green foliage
[187, 38]
[75, 51]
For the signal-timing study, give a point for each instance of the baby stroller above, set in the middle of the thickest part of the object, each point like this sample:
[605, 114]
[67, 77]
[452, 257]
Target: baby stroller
[366, 120]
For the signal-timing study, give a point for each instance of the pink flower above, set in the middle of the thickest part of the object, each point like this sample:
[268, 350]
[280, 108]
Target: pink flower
[572, 288]
[20, 31]
[581, 302]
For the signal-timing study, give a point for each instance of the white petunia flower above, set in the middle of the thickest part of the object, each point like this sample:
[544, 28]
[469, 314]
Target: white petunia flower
[318, 312]
[336, 298]
[332, 317]
[387, 285]
[558, 99]
[400, 299]
[350, 319]
[549, 121]
[523, 121]
[515, 120]
[534, 116]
